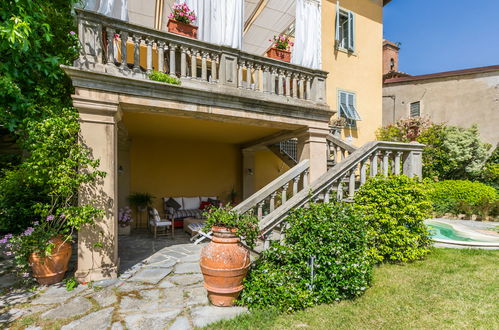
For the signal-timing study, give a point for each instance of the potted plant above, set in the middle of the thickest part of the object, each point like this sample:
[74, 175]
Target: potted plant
[124, 221]
[225, 261]
[280, 48]
[140, 201]
[180, 19]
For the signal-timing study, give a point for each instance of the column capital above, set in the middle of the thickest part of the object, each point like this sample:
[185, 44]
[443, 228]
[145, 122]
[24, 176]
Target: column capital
[91, 110]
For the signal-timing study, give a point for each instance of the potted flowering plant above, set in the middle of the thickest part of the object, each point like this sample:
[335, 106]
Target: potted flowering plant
[225, 261]
[180, 19]
[124, 220]
[280, 49]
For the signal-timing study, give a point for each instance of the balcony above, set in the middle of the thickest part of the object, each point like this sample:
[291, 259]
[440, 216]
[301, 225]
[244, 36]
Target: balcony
[113, 49]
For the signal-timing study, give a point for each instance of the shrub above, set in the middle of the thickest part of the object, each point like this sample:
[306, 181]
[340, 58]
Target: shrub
[163, 77]
[284, 278]
[490, 173]
[394, 209]
[461, 196]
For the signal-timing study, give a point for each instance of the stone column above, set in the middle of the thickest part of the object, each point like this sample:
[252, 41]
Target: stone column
[98, 243]
[413, 162]
[248, 173]
[312, 145]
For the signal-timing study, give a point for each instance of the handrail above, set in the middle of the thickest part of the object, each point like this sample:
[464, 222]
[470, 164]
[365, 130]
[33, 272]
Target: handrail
[339, 142]
[408, 153]
[272, 187]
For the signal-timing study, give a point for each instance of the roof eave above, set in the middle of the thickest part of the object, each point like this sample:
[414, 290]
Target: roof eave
[385, 2]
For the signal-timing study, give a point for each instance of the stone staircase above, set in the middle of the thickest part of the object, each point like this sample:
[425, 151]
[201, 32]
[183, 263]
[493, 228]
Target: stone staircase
[349, 168]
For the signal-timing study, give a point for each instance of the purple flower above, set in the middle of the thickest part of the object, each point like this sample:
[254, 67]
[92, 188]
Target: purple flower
[72, 33]
[50, 218]
[62, 216]
[36, 223]
[25, 274]
[28, 231]
[8, 253]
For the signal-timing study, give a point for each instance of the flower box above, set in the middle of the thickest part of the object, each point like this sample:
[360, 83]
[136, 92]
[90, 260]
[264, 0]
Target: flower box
[184, 29]
[279, 54]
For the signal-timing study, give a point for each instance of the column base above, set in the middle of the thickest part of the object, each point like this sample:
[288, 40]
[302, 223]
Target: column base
[97, 274]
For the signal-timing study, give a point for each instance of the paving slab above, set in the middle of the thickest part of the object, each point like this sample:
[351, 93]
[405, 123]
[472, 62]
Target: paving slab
[175, 254]
[134, 286]
[197, 296]
[57, 294]
[202, 316]
[190, 258]
[117, 326]
[187, 279]
[129, 305]
[8, 280]
[76, 306]
[151, 321]
[187, 268]
[181, 323]
[167, 263]
[173, 297]
[104, 297]
[151, 275]
[166, 284]
[15, 297]
[95, 321]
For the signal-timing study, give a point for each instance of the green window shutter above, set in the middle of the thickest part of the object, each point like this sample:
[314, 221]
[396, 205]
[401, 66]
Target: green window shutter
[351, 31]
[354, 115]
[337, 35]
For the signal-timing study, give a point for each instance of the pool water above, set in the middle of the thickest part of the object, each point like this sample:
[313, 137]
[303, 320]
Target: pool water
[443, 231]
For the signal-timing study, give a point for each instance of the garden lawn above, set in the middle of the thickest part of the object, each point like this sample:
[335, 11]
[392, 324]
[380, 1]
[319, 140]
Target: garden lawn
[451, 288]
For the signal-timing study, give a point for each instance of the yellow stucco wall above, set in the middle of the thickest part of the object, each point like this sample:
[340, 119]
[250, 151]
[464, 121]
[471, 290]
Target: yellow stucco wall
[267, 167]
[165, 167]
[359, 72]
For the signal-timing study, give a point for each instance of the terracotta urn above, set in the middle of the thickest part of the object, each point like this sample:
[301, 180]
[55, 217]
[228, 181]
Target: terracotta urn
[51, 269]
[224, 264]
[184, 29]
[279, 54]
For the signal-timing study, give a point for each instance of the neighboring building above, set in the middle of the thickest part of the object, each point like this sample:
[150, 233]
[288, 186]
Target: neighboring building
[460, 98]
[216, 132]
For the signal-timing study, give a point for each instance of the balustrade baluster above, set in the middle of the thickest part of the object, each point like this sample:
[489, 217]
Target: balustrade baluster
[266, 243]
[272, 201]
[172, 72]
[339, 191]
[280, 81]
[161, 56]
[124, 40]
[136, 53]
[301, 87]
[284, 193]
[194, 58]
[305, 179]
[351, 183]
[110, 45]
[266, 79]
[386, 162]
[149, 43]
[307, 88]
[295, 184]
[183, 61]
[258, 69]
[249, 66]
[398, 156]
[374, 164]
[214, 59]
[295, 86]
[272, 80]
[363, 170]
[326, 195]
[204, 67]
[259, 212]
[288, 82]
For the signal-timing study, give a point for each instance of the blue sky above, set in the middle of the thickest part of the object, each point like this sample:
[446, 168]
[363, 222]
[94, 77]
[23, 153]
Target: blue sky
[443, 35]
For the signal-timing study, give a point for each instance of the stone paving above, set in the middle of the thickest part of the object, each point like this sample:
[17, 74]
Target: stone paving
[162, 289]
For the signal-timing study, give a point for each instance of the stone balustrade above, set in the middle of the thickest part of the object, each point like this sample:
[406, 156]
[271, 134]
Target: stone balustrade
[116, 47]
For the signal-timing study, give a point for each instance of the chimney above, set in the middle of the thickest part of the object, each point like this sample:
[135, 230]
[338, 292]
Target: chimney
[390, 57]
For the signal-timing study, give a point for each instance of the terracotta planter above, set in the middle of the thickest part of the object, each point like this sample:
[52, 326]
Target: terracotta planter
[279, 54]
[224, 264]
[184, 29]
[50, 270]
[125, 231]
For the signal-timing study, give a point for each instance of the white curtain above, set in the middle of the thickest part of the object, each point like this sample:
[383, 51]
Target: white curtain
[112, 8]
[307, 48]
[219, 21]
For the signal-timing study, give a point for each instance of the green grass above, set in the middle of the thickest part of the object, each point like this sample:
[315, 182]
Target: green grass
[450, 289]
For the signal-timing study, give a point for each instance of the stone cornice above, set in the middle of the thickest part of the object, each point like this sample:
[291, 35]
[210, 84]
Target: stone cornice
[204, 95]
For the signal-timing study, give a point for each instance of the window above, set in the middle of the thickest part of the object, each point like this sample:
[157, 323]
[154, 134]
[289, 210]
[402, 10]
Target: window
[346, 105]
[415, 110]
[344, 29]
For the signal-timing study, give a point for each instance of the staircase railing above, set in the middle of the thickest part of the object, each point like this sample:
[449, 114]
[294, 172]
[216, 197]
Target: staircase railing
[277, 192]
[337, 149]
[343, 180]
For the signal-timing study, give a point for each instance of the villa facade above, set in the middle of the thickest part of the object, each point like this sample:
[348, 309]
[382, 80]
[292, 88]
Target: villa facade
[217, 132]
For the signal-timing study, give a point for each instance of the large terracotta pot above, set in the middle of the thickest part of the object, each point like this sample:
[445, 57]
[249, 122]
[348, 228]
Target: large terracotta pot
[51, 269]
[183, 29]
[279, 54]
[224, 264]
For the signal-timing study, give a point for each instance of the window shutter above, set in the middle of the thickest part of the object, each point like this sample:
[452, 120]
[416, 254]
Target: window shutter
[343, 98]
[351, 31]
[415, 110]
[337, 36]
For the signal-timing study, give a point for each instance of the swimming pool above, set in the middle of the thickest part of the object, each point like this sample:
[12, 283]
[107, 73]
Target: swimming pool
[455, 234]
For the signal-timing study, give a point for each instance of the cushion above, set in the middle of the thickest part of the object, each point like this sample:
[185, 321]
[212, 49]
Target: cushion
[214, 201]
[174, 203]
[191, 203]
[154, 215]
[204, 205]
[205, 199]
